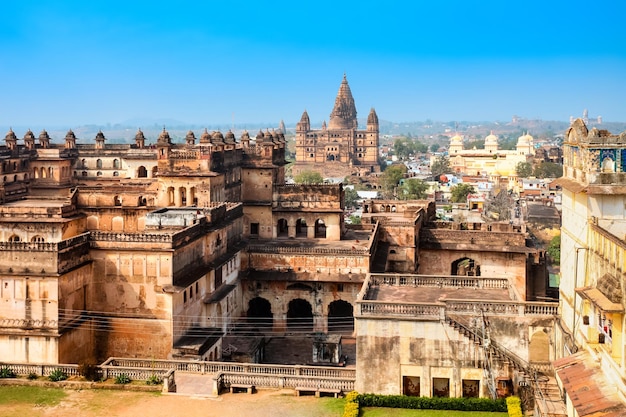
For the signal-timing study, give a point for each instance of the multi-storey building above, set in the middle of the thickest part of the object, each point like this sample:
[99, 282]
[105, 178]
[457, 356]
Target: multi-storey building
[339, 149]
[590, 337]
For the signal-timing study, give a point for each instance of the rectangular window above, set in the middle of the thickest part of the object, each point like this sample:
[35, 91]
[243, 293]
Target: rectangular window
[471, 388]
[254, 228]
[411, 386]
[441, 387]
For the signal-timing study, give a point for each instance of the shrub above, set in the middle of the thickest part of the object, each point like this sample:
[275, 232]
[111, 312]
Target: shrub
[89, 371]
[6, 372]
[154, 380]
[514, 407]
[432, 403]
[57, 375]
[122, 379]
[351, 409]
[32, 376]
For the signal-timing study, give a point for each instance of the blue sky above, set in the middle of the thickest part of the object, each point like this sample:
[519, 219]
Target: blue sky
[67, 63]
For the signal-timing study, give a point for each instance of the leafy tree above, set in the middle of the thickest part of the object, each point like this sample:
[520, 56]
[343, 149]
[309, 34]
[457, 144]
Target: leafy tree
[412, 189]
[434, 147]
[524, 169]
[392, 176]
[355, 219]
[548, 170]
[554, 249]
[350, 196]
[460, 193]
[440, 166]
[405, 147]
[308, 177]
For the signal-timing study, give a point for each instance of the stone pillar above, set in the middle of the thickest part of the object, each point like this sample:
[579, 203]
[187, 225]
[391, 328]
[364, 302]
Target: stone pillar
[310, 230]
[177, 197]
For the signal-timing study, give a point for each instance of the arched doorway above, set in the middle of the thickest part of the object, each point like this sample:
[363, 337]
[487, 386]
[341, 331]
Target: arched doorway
[301, 228]
[340, 317]
[142, 172]
[320, 229]
[465, 267]
[300, 316]
[282, 228]
[539, 347]
[260, 313]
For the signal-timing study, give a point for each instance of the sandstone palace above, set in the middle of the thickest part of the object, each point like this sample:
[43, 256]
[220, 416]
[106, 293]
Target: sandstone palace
[166, 249]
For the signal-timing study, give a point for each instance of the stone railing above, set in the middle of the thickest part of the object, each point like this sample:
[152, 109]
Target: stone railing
[209, 367]
[224, 379]
[307, 250]
[25, 369]
[130, 237]
[413, 310]
[440, 281]
[27, 324]
[136, 374]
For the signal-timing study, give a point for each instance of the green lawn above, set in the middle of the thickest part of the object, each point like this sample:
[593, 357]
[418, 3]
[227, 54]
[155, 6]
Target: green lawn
[402, 412]
[31, 395]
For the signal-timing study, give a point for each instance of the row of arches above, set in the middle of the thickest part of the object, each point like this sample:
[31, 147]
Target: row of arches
[301, 228]
[300, 315]
[34, 239]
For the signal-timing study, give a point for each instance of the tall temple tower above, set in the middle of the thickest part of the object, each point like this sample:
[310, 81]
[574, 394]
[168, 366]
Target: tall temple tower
[339, 149]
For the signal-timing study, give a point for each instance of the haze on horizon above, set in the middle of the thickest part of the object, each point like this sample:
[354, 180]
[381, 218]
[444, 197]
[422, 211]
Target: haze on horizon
[74, 62]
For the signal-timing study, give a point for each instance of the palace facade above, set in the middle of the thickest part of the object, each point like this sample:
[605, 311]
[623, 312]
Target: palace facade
[338, 149]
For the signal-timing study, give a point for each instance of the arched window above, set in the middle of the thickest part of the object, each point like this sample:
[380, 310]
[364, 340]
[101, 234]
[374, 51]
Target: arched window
[14, 238]
[37, 239]
[84, 173]
[83, 163]
[142, 172]
[99, 163]
[117, 200]
[116, 163]
[99, 173]
[116, 174]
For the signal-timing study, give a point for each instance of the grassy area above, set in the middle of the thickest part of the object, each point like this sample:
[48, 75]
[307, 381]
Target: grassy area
[402, 412]
[31, 395]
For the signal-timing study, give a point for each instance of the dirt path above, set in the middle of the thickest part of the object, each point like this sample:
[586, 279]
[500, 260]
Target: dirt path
[104, 403]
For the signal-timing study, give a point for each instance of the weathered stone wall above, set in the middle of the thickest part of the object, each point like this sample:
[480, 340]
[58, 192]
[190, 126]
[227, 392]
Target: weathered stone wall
[262, 217]
[388, 349]
[256, 185]
[133, 338]
[316, 266]
[76, 345]
[31, 348]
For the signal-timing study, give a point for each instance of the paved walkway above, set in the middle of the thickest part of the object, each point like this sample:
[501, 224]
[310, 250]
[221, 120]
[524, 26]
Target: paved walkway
[194, 384]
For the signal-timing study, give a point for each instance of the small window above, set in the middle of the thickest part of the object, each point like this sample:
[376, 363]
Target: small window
[254, 228]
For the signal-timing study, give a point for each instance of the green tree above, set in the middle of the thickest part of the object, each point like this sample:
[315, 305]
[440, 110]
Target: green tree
[440, 166]
[308, 177]
[554, 249]
[391, 177]
[350, 197]
[524, 169]
[548, 170]
[434, 147]
[460, 193]
[412, 189]
[355, 219]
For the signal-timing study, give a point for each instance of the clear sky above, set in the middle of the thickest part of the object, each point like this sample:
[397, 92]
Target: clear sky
[66, 63]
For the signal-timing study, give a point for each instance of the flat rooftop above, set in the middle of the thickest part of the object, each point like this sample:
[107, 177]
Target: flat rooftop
[423, 294]
[351, 240]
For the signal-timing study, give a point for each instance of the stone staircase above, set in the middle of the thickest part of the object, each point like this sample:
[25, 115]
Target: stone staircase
[548, 401]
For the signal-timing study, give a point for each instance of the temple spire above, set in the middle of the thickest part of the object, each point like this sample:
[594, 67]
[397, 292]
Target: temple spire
[343, 115]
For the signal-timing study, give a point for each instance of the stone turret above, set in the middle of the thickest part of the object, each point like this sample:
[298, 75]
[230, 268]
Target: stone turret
[11, 139]
[190, 139]
[245, 139]
[304, 124]
[205, 138]
[29, 140]
[372, 121]
[343, 115]
[99, 140]
[164, 144]
[140, 139]
[44, 139]
[70, 140]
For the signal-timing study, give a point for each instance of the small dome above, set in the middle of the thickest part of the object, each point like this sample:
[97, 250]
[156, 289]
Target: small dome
[10, 135]
[205, 137]
[525, 139]
[99, 136]
[29, 135]
[217, 136]
[260, 135]
[230, 137]
[71, 135]
[491, 138]
[456, 139]
[190, 136]
[43, 136]
[245, 135]
[139, 135]
[164, 136]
